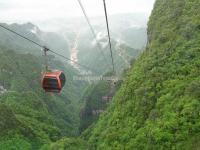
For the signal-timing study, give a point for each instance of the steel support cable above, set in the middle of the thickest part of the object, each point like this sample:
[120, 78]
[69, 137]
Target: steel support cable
[92, 30]
[43, 47]
[110, 46]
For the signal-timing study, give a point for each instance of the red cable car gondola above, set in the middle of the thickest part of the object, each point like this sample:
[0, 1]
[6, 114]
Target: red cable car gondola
[53, 81]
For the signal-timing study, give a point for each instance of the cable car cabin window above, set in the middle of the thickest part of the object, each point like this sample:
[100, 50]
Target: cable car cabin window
[50, 83]
[62, 79]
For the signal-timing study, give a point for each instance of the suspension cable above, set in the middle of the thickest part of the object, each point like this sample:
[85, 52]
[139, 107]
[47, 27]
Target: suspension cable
[41, 46]
[92, 30]
[110, 46]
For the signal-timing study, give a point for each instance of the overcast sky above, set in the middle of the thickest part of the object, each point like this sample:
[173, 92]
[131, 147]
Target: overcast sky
[40, 10]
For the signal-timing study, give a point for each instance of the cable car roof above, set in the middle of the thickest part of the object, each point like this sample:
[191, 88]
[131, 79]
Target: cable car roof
[54, 73]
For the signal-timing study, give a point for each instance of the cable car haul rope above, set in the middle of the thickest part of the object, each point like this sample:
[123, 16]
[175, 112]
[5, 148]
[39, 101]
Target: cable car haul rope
[107, 25]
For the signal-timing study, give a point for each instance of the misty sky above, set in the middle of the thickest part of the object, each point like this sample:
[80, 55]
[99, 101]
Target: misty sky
[40, 10]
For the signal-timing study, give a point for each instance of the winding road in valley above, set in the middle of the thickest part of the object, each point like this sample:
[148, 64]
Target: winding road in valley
[74, 52]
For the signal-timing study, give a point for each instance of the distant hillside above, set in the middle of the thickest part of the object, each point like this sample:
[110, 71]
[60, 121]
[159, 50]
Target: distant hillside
[128, 40]
[29, 30]
[128, 34]
[92, 55]
[158, 105]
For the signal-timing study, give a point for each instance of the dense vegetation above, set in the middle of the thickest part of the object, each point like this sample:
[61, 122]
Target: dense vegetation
[36, 118]
[158, 105]
[96, 98]
[93, 104]
[29, 117]
[67, 144]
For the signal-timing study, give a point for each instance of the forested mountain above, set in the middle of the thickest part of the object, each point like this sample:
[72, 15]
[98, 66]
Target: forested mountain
[158, 105]
[97, 55]
[29, 117]
[37, 118]
[155, 107]
[127, 45]
[128, 40]
[31, 31]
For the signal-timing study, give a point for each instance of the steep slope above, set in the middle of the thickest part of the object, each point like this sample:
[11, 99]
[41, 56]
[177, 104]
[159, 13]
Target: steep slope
[158, 106]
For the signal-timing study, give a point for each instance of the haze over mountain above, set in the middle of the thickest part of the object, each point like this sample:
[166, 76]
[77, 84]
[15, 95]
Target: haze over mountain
[153, 105]
[37, 10]
[23, 86]
[128, 39]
